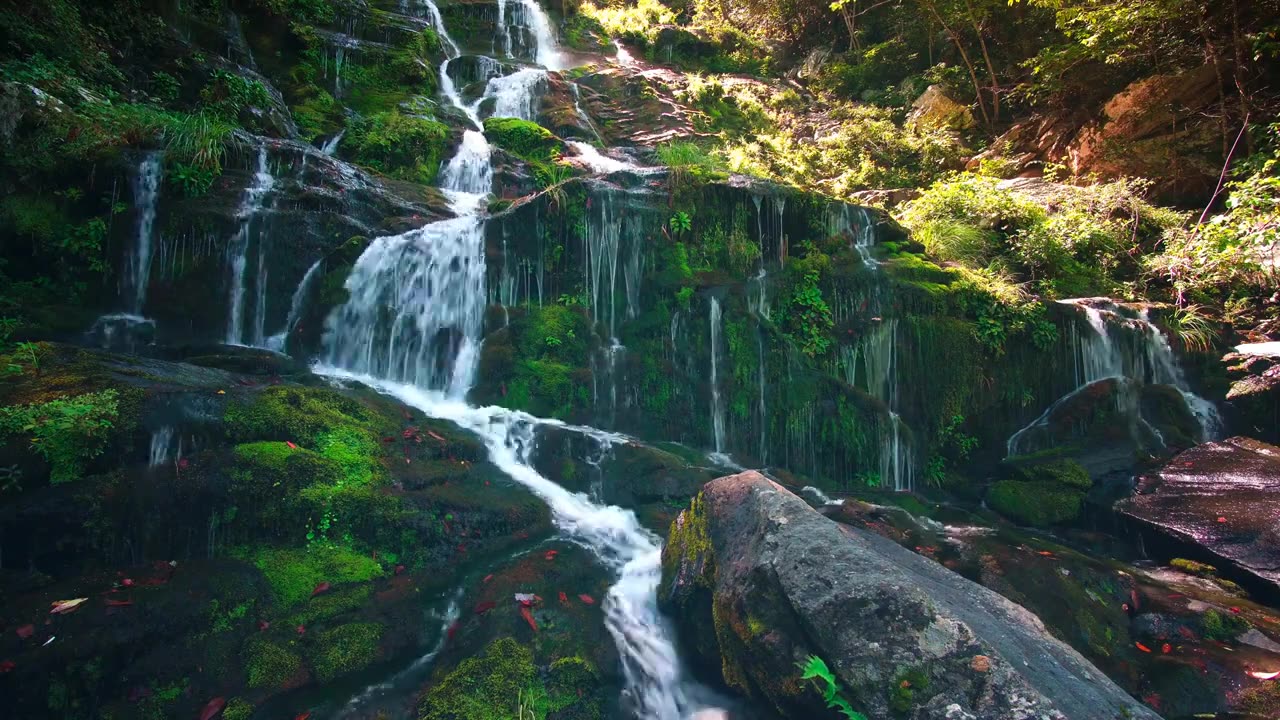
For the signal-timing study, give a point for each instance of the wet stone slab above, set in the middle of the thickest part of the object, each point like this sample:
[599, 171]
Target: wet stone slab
[1224, 498]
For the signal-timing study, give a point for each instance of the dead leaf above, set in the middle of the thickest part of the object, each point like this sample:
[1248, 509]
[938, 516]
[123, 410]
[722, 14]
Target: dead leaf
[26, 631]
[213, 708]
[61, 607]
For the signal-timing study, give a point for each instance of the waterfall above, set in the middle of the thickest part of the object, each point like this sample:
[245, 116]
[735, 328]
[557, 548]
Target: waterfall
[582, 114]
[857, 224]
[504, 32]
[758, 293]
[531, 20]
[277, 342]
[764, 416]
[876, 356]
[146, 193]
[163, 451]
[238, 249]
[1100, 355]
[717, 402]
[412, 327]
[330, 146]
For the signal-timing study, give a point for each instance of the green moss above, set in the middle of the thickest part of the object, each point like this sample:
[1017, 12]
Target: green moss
[906, 686]
[1192, 567]
[237, 709]
[294, 574]
[300, 415]
[522, 138]
[1222, 627]
[485, 687]
[330, 604]
[1062, 471]
[404, 146]
[689, 543]
[346, 648]
[269, 664]
[1035, 503]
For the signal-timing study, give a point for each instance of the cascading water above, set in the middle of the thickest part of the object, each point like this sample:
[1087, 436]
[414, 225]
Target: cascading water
[856, 224]
[146, 193]
[717, 402]
[296, 304]
[330, 146]
[412, 326]
[1100, 356]
[876, 356]
[238, 249]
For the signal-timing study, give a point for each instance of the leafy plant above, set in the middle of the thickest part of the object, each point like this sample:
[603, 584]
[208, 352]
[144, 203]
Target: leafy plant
[816, 669]
[192, 180]
[681, 223]
[808, 317]
[67, 432]
[1193, 328]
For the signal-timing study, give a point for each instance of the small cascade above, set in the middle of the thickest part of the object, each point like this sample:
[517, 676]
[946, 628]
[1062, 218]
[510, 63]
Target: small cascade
[857, 224]
[1117, 344]
[251, 205]
[163, 448]
[296, 304]
[502, 43]
[517, 95]
[875, 358]
[146, 194]
[591, 158]
[758, 293]
[612, 251]
[779, 208]
[717, 402]
[529, 23]
[770, 230]
[330, 146]
[582, 114]
[819, 497]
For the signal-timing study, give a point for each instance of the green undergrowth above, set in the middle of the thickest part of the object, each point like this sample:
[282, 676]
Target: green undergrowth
[408, 147]
[540, 362]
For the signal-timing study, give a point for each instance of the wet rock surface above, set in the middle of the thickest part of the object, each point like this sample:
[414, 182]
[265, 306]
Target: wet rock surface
[1222, 499]
[782, 583]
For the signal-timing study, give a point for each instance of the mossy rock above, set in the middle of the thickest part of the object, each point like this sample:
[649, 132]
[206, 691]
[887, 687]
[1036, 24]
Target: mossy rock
[270, 664]
[346, 649]
[298, 414]
[408, 147]
[237, 709]
[485, 687]
[1062, 471]
[295, 573]
[525, 139]
[1037, 503]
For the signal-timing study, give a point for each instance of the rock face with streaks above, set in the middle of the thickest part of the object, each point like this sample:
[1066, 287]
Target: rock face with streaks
[760, 582]
[1221, 498]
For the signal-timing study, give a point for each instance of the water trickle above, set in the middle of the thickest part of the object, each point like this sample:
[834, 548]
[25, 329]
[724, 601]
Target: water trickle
[876, 358]
[238, 249]
[163, 448]
[300, 295]
[857, 224]
[597, 162]
[717, 402]
[330, 146]
[582, 114]
[146, 193]
[614, 241]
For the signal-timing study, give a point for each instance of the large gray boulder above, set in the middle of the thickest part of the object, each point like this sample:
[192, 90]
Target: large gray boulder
[759, 582]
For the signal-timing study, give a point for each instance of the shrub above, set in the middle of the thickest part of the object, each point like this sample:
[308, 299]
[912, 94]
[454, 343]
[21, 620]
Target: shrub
[404, 146]
[67, 432]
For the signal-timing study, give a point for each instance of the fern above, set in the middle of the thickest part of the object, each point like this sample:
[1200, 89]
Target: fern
[816, 669]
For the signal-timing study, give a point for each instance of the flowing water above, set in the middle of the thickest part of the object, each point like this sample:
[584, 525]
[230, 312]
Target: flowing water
[412, 326]
[250, 207]
[146, 192]
[296, 304]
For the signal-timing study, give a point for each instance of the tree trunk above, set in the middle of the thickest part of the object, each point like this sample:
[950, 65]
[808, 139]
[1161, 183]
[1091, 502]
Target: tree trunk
[964, 55]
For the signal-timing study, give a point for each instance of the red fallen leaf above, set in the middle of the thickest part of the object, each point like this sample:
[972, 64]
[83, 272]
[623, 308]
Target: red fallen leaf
[119, 603]
[302, 716]
[399, 570]
[487, 578]
[1222, 519]
[1133, 595]
[321, 588]
[564, 598]
[453, 629]
[7, 666]
[432, 434]
[587, 599]
[1166, 648]
[388, 440]
[1142, 647]
[212, 709]
[528, 617]
[26, 631]
[291, 445]
[1234, 610]
[127, 582]
[1153, 700]
[485, 606]
[551, 554]
[263, 625]
[61, 607]
[302, 630]
[1124, 607]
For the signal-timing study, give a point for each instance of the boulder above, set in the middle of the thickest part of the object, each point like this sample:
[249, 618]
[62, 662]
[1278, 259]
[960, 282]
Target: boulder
[1221, 499]
[761, 583]
[1254, 369]
[935, 108]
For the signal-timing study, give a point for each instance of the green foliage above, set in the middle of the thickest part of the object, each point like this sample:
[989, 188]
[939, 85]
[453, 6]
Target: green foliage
[228, 95]
[192, 180]
[346, 648]
[404, 146]
[807, 317]
[680, 223]
[815, 668]
[294, 574]
[67, 432]
[689, 161]
[237, 709]
[902, 697]
[198, 140]
[634, 23]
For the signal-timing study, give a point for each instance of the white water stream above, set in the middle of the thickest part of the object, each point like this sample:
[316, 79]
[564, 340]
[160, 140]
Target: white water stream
[250, 206]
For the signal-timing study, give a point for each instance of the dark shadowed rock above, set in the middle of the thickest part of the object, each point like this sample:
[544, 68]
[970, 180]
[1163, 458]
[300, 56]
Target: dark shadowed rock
[761, 581]
[1221, 497]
